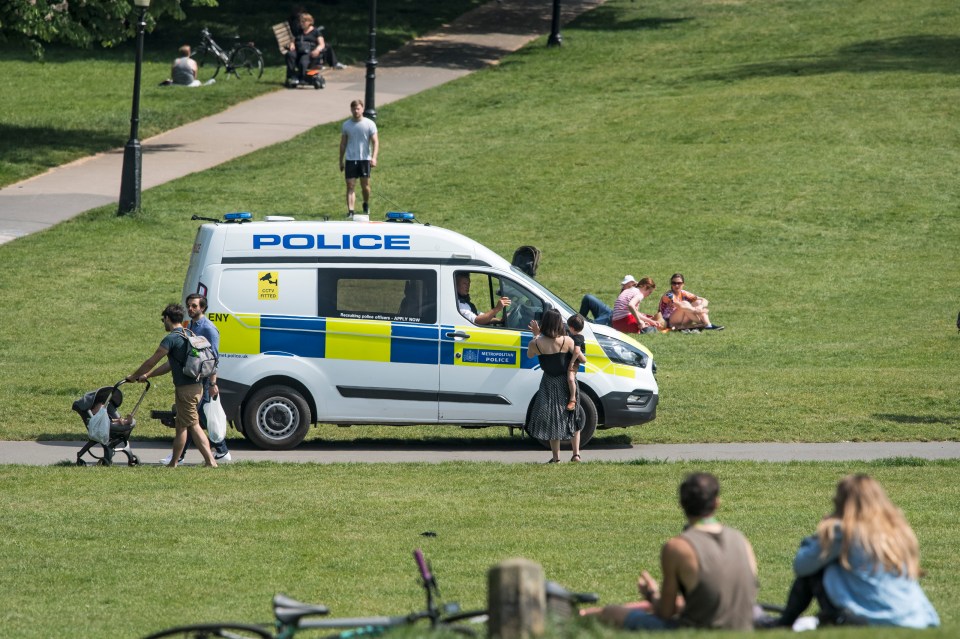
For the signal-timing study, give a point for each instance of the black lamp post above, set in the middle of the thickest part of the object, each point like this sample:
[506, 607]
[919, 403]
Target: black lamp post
[555, 39]
[132, 154]
[369, 98]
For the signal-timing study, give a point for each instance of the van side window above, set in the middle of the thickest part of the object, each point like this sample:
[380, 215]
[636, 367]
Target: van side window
[477, 293]
[396, 295]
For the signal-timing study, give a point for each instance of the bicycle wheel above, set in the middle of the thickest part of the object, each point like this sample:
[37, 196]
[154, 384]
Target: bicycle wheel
[248, 61]
[213, 630]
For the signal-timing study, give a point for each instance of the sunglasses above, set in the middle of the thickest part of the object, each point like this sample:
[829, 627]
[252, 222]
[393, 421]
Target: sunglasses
[676, 283]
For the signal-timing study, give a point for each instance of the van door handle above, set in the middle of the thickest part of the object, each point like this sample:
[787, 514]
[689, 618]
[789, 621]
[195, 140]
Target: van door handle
[458, 335]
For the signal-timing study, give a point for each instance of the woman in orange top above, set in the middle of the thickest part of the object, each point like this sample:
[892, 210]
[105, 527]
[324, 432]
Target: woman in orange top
[682, 310]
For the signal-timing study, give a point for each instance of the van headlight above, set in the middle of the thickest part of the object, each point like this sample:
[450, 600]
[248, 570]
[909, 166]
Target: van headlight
[623, 353]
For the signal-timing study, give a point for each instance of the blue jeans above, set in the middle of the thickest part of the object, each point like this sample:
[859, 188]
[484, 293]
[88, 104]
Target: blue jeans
[590, 304]
[640, 620]
[219, 448]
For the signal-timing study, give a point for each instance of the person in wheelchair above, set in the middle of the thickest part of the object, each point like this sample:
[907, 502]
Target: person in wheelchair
[308, 50]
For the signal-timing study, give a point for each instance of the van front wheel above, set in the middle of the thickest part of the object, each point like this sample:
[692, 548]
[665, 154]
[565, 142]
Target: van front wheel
[276, 418]
[589, 425]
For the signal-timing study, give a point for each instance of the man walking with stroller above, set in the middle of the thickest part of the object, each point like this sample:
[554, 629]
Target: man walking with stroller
[200, 325]
[187, 391]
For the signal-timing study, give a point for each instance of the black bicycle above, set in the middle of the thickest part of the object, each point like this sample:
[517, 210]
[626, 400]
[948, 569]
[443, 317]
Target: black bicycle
[243, 59]
[292, 616]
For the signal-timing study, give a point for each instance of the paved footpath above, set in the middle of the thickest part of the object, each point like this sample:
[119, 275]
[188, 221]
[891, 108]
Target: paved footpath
[473, 41]
[46, 453]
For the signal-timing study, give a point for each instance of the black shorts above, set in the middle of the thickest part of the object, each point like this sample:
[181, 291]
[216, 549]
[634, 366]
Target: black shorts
[354, 169]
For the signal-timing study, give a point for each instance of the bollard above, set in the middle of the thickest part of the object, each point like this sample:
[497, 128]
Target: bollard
[516, 600]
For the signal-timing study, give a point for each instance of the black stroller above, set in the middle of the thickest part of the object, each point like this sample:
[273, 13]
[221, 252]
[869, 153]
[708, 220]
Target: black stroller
[119, 428]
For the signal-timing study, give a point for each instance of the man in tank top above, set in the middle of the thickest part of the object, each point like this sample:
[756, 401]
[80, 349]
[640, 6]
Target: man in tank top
[709, 572]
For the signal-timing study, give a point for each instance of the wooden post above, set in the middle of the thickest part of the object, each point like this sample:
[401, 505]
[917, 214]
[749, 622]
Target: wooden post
[516, 600]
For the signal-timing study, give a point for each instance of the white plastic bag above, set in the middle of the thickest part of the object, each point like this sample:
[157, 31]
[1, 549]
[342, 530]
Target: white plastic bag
[216, 420]
[98, 426]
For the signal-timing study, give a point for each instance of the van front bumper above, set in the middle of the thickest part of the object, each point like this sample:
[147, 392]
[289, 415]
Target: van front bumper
[629, 409]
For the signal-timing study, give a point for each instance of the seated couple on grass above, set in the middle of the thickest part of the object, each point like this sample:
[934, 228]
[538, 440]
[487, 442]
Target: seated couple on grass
[861, 566]
[679, 310]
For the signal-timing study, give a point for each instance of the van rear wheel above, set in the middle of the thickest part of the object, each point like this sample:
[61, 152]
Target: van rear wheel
[276, 418]
[589, 425]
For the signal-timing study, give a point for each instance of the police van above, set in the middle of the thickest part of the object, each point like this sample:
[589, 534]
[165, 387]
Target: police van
[358, 323]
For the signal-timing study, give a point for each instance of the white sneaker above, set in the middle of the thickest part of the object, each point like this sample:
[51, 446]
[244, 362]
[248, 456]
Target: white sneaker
[166, 460]
[223, 457]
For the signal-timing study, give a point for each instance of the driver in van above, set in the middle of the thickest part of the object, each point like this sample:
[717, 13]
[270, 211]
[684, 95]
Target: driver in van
[469, 310]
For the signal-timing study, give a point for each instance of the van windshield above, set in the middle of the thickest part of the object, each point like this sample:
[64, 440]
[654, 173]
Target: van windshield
[551, 297]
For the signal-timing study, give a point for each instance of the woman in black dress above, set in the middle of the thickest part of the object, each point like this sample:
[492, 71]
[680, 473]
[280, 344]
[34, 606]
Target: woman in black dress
[549, 418]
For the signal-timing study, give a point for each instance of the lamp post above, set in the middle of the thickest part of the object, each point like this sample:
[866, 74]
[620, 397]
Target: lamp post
[132, 153]
[555, 39]
[369, 98]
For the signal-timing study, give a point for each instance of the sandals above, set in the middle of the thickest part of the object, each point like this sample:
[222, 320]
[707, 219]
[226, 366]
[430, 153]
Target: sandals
[571, 406]
[554, 461]
[575, 458]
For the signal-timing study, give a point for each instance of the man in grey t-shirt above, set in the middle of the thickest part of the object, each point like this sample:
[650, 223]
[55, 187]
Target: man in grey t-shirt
[359, 145]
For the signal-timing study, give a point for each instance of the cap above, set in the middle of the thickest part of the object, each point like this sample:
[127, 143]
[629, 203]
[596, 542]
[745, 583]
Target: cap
[627, 279]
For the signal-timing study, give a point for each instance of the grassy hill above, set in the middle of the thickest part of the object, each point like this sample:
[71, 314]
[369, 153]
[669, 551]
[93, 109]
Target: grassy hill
[794, 160]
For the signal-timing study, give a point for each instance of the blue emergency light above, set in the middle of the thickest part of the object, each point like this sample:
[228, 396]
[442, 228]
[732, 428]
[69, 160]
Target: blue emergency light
[238, 217]
[400, 216]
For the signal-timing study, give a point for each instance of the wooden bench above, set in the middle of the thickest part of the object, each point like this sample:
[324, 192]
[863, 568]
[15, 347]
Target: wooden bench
[284, 36]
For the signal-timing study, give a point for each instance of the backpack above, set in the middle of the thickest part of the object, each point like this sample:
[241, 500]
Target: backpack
[527, 259]
[201, 361]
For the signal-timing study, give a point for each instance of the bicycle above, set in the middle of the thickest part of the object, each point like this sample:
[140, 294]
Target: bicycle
[242, 58]
[292, 616]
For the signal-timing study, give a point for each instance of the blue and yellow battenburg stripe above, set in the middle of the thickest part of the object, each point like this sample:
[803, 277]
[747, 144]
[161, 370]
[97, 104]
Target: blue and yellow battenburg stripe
[377, 341]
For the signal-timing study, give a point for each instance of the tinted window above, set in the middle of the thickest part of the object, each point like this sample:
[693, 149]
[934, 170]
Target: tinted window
[396, 295]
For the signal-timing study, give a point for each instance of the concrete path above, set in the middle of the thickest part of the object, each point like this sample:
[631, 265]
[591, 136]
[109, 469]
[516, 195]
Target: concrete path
[473, 41]
[150, 452]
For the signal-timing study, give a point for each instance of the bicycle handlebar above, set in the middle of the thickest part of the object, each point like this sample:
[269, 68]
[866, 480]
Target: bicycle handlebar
[422, 564]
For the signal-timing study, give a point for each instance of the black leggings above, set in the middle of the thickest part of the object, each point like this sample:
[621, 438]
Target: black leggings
[298, 63]
[804, 591]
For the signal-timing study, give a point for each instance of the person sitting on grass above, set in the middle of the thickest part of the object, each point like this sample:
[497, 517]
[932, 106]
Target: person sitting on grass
[683, 311]
[626, 316]
[709, 572]
[861, 565]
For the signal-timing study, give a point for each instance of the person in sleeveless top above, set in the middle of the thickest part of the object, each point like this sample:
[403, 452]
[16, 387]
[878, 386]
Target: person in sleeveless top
[549, 417]
[184, 69]
[709, 572]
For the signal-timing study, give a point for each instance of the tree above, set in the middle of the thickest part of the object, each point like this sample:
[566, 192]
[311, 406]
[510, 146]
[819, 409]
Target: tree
[80, 23]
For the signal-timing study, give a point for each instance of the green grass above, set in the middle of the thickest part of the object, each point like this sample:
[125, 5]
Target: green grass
[77, 103]
[91, 552]
[793, 160]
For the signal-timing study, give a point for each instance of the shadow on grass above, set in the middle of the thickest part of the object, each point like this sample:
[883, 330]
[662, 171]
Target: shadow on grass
[45, 139]
[606, 20]
[916, 419]
[918, 53]
[362, 443]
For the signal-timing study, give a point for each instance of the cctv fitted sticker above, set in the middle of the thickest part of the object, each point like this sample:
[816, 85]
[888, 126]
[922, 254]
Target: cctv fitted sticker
[268, 285]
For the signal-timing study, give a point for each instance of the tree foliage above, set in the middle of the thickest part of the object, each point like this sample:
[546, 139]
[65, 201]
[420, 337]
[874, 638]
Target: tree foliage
[80, 23]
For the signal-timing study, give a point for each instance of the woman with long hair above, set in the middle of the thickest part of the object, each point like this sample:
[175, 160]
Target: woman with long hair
[862, 564]
[549, 417]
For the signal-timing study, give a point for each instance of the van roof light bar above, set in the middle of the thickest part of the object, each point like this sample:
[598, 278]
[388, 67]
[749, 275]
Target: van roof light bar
[401, 216]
